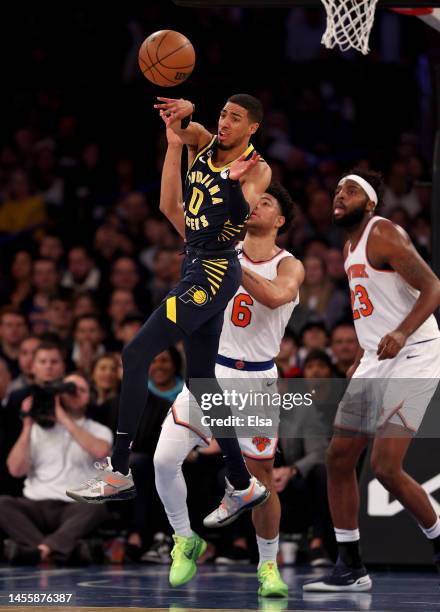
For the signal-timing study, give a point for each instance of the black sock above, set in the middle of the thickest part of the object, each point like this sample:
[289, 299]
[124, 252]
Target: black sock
[350, 554]
[436, 545]
[121, 453]
[236, 470]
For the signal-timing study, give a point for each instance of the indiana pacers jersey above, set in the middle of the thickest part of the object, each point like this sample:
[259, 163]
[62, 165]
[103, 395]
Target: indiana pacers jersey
[206, 202]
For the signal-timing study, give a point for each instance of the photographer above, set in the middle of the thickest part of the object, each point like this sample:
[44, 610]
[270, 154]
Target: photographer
[44, 525]
[47, 366]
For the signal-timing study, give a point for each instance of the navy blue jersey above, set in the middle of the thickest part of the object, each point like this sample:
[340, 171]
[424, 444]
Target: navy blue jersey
[207, 202]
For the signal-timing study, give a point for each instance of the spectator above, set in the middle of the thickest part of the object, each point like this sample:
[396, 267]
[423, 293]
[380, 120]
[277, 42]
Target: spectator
[21, 276]
[286, 359]
[47, 366]
[344, 346]
[319, 294]
[45, 280]
[158, 234]
[84, 303]
[51, 247]
[399, 191]
[82, 273]
[26, 354]
[334, 259]
[165, 380]
[313, 336]
[301, 481]
[105, 380]
[13, 329]
[166, 268]
[60, 315]
[133, 211]
[44, 525]
[88, 336]
[22, 211]
[121, 303]
[129, 327]
[5, 380]
[125, 275]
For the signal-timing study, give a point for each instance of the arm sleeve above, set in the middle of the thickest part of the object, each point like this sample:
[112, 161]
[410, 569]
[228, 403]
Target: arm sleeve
[238, 206]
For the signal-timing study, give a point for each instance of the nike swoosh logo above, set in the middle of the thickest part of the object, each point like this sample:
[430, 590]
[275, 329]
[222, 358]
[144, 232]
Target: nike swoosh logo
[270, 383]
[189, 554]
[411, 356]
[248, 496]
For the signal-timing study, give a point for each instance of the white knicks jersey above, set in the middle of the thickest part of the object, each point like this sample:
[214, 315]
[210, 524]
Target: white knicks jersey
[252, 331]
[380, 299]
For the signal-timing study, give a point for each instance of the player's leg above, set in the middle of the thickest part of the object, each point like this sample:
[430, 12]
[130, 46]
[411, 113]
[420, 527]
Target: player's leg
[387, 457]
[343, 494]
[266, 520]
[242, 492]
[175, 442]
[114, 480]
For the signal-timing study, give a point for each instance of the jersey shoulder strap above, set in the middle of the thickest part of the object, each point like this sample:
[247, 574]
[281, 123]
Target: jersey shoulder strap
[202, 150]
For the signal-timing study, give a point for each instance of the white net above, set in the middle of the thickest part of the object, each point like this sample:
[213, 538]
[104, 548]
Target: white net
[349, 23]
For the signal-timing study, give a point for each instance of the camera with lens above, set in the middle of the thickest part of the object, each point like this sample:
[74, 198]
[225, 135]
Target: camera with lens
[43, 401]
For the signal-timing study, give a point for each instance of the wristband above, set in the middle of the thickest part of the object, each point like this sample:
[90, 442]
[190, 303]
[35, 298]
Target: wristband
[187, 120]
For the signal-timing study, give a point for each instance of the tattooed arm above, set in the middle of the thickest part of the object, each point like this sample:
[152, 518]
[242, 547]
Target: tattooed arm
[390, 246]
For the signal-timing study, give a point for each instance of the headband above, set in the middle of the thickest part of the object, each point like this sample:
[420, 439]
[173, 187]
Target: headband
[362, 183]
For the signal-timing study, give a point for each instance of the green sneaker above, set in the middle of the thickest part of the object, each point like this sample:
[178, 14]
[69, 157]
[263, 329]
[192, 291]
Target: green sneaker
[185, 553]
[271, 583]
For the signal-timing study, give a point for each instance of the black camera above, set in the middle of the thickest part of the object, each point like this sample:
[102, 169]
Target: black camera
[43, 404]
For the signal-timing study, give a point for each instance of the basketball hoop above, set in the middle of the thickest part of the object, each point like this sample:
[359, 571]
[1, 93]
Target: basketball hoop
[349, 24]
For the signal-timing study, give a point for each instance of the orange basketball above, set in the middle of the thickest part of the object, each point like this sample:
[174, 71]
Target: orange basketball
[166, 58]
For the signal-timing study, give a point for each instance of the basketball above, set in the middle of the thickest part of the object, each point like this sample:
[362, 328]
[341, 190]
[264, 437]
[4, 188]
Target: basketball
[166, 58]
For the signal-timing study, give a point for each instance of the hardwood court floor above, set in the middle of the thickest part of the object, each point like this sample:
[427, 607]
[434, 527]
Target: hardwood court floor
[142, 587]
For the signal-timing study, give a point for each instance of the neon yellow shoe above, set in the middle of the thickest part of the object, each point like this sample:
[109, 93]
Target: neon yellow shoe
[185, 553]
[271, 583]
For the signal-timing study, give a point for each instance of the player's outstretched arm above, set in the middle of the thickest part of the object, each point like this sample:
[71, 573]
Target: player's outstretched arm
[171, 201]
[194, 135]
[281, 290]
[391, 245]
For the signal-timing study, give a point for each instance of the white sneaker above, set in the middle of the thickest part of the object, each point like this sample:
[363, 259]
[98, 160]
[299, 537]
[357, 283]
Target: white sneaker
[235, 503]
[107, 485]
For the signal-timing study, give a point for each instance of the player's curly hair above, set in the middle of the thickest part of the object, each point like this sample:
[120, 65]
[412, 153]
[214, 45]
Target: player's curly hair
[251, 104]
[375, 179]
[285, 202]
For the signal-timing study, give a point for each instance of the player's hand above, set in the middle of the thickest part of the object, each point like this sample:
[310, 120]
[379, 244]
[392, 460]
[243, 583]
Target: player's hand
[241, 166]
[281, 477]
[172, 137]
[390, 345]
[175, 109]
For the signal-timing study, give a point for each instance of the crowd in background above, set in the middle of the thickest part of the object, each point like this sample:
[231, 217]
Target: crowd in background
[86, 255]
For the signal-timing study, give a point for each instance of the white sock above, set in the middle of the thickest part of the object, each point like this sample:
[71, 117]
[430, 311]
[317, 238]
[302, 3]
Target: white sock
[347, 535]
[267, 549]
[432, 532]
[174, 444]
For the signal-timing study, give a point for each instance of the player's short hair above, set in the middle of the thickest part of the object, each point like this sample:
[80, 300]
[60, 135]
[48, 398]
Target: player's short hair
[251, 104]
[375, 179]
[285, 202]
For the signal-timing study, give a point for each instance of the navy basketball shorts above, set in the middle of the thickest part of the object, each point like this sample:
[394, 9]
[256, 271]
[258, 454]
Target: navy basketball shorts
[208, 283]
